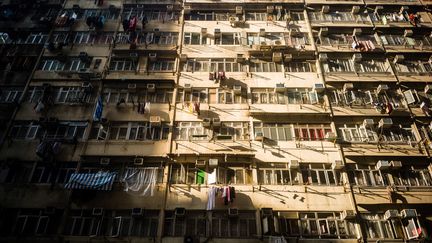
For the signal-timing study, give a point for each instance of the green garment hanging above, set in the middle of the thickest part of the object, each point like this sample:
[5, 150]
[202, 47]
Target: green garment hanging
[200, 177]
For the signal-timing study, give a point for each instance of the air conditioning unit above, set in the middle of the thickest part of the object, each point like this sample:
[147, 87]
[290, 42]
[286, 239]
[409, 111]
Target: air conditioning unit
[183, 57]
[155, 121]
[151, 88]
[330, 136]
[408, 33]
[293, 164]
[137, 212]
[262, 32]
[280, 87]
[187, 87]
[323, 31]
[240, 58]
[270, 9]
[213, 162]
[277, 57]
[132, 87]
[237, 89]
[153, 56]
[357, 57]
[322, 57]
[355, 9]
[398, 59]
[428, 89]
[170, 8]
[385, 123]
[408, 213]
[382, 88]
[156, 31]
[337, 165]
[369, 123]
[187, 9]
[217, 32]
[204, 31]
[233, 19]
[97, 211]
[206, 122]
[179, 212]
[391, 214]
[133, 54]
[348, 214]
[232, 212]
[318, 87]
[200, 163]
[396, 164]
[325, 9]
[357, 31]
[104, 161]
[138, 161]
[239, 10]
[266, 212]
[49, 210]
[287, 57]
[348, 86]
[259, 136]
[216, 122]
[382, 165]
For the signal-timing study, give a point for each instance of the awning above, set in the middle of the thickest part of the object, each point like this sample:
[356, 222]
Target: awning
[102, 181]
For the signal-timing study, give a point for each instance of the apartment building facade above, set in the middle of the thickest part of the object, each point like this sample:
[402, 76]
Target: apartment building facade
[210, 121]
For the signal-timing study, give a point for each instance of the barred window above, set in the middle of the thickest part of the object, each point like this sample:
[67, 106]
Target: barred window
[257, 65]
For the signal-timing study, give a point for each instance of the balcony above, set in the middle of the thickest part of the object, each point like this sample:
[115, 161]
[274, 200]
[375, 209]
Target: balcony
[356, 40]
[406, 42]
[379, 139]
[359, 67]
[412, 68]
[358, 100]
[331, 16]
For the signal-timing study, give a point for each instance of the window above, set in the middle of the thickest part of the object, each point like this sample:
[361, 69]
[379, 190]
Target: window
[358, 133]
[36, 38]
[148, 38]
[320, 175]
[140, 131]
[238, 130]
[192, 130]
[141, 95]
[243, 226]
[161, 66]
[365, 98]
[299, 67]
[65, 130]
[228, 39]
[321, 225]
[149, 14]
[84, 223]
[49, 174]
[187, 174]
[194, 39]
[413, 67]
[377, 66]
[257, 65]
[213, 65]
[339, 65]
[122, 64]
[279, 132]
[227, 96]
[10, 94]
[72, 64]
[267, 39]
[124, 224]
[196, 95]
[30, 222]
[278, 174]
[367, 176]
[72, 95]
[25, 130]
[193, 223]
[256, 16]
[378, 227]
